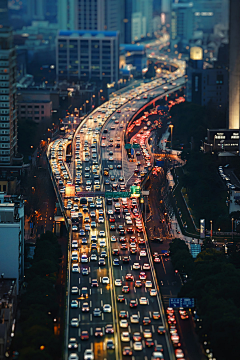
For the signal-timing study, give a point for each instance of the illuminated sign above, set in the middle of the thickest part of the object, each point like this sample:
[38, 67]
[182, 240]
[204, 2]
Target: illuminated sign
[70, 190]
[202, 228]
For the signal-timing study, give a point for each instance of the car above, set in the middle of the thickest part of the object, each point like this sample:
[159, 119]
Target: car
[179, 354]
[136, 266]
[127, 351]
[119, 167]
[171, 319]
[158, 347]
[110, 345]
[88, 354]
[146, 320]
[85, 271]
[156, 315]
[123, 314]
[73, 356]
[143, 253]
[118, 282]
[138, 283]
[125, 337]
[116, 262]
[112, 227]
[109, 329]
[137, 336]
[129, 277]
[113, 238]
[149, 342]
[75, 268]
[93, 257]
[74, 304]
[85, 307]
[94, 283]
[161, 330]
[125, 289]
[103, 254]
[74, 228]
[170, 311]
[102, 243]
[97, 312]
[120, 298]
[101, 220]
[72, 344]
[105, 280]
[107, 308]
[74, 290]
[146, 267]
[133, 303]
[153, 292]
[115, 251]
[101, 262]
[125, 259]
[148, 284]
[143, 300]
[123, 323]
[84, 335]
[147, 334]
[142, 275]
[98, 332]
[157, 259]
[137, 346]
[102, 233]
[134, 319]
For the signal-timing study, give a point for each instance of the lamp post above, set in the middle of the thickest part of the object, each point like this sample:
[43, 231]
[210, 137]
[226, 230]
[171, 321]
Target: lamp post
[171, 128]
[211, 229]
[232, 227]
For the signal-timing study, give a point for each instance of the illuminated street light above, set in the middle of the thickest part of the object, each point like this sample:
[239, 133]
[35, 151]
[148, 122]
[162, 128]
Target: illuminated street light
[171, 128]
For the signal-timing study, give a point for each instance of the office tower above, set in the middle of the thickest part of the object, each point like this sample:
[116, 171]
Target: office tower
[166, 10]
[234, 64]
[8, 111]
[138, 20]
[91, 15]
[12, 237]
[182, 23]
[36, 9]
[85, 55]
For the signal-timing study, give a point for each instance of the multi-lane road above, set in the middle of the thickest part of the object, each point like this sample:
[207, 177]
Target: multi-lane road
[114, 304]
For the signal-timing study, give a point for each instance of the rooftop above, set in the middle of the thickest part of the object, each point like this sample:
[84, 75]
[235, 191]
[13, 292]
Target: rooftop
[87, 33]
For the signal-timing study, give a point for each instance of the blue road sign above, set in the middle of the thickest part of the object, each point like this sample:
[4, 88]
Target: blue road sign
[31, 225]
[181, 302]
[132, 152]
[195, 250]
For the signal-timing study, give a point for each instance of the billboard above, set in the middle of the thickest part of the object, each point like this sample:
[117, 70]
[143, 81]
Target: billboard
[70, 190]
[202, 228]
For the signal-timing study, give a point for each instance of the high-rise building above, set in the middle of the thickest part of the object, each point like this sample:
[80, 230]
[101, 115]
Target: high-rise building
[97, 15]
[8, 110]
[12, 237]
[138, 20]
[182, 23]
[234, 64]
[85, 55]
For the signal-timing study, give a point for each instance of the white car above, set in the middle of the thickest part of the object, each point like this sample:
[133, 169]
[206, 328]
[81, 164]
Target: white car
[75, 268]
[84, 258]
[74, 322]
[136, 266]
[148, 284]
[143, 253]
[129, 222]
[101, 233]
[101, 220]
[125, 337]
[107, 308]
[143, 300]
[74, 244]
[153, 292]
[88, 354]
[123, 323]
[110, 212]
[102, 243]
[113, 239]
[137, 346]
[74, 304]
[118, 282]
[73, 356]
[134, 319]
[74, 290]
[105, 280]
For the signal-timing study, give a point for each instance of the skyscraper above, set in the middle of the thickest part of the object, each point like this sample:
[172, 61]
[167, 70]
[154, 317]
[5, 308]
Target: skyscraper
[234, 64]
[8, 111]
[97, 15]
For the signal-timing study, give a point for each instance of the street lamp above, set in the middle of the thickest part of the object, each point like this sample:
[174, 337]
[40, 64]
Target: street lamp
[171, 128]
[232, 227]
[211, 229]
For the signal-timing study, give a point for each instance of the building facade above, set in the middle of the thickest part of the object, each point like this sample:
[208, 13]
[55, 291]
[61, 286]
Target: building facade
[234, 65]
[85, 55]
[96, 15]
[12, 238]
[35, 105]
[8, 110]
